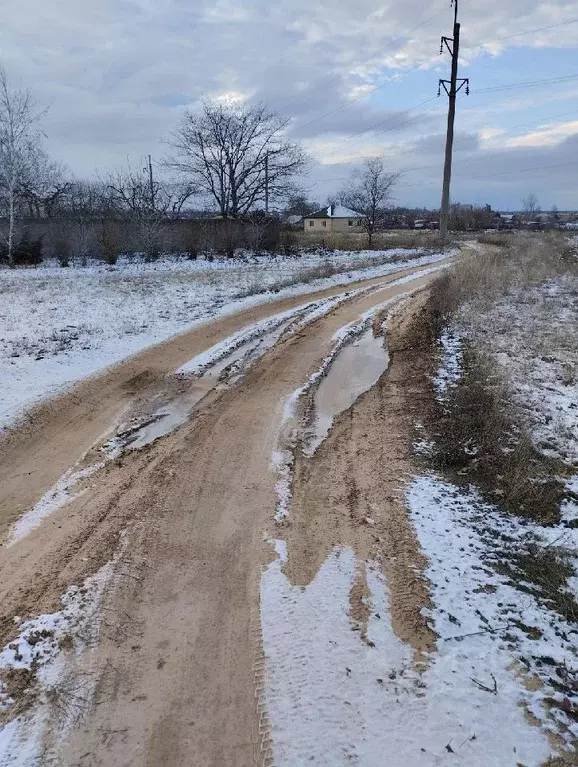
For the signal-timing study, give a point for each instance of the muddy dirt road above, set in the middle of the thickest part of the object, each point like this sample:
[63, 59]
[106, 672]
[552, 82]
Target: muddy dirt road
[171, 670]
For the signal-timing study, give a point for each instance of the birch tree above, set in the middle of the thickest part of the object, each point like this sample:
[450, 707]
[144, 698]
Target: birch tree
[19, 137]
[369, 192]
[237, 156]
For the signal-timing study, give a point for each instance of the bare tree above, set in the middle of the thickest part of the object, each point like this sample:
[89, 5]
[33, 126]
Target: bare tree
[369, 192]
[530, 205]
[237, 156]
[146, 204]
[43, 187]
[19, 138]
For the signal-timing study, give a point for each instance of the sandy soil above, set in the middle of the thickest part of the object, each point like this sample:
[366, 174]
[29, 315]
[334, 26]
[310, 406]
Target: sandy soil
[178, 663]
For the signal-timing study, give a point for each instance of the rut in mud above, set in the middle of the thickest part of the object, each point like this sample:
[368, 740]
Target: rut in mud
[173, 669]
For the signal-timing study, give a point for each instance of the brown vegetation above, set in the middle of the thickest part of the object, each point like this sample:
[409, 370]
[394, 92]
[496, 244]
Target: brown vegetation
[381, 241]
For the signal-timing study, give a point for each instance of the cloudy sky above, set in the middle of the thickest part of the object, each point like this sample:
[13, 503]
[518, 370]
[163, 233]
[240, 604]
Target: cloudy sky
[357, 79]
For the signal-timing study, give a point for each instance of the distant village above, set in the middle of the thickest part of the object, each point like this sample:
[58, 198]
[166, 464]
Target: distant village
[463, 218]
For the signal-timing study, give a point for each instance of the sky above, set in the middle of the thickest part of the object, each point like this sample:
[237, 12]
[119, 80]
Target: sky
[355, 79]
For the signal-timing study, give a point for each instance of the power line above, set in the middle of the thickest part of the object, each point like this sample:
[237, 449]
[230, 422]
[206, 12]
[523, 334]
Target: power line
[389, 119]
[528, 84]
[364, 94]
[536, 169]
[519, 34]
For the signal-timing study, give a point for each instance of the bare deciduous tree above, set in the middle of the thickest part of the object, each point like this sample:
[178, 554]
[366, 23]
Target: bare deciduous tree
[368, 193]
[147, 204]
[232, 154]
[19, 137]
[43, 187]
[530, 205]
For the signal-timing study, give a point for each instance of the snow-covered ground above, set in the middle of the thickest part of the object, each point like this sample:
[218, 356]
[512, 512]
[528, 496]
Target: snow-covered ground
[61, 325]
[334, 699]
[533, 334]
[50, 649]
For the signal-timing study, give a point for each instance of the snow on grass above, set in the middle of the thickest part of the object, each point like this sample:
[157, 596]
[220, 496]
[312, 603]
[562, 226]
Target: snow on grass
[450, 370]
[506, 635]
[38, 652]
[61, 325]
[533, 334]
[334, 699]
[57, 497]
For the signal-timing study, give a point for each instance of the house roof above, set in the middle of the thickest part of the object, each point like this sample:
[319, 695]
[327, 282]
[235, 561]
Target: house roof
[335, 211]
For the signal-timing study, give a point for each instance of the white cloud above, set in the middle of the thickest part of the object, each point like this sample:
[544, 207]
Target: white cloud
[545, 136]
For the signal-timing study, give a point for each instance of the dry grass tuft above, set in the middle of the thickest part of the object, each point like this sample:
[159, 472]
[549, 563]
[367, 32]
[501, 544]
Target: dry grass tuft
[481, 437]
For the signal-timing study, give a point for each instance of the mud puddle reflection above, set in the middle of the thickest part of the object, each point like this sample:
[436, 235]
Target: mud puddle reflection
[355, 370]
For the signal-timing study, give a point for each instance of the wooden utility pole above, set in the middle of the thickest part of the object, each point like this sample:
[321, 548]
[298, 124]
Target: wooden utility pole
[452, 87]
[267, 184]
[151, 182]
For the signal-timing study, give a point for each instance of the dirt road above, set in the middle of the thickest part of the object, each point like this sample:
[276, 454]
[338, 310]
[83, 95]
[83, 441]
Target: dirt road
[176, 673]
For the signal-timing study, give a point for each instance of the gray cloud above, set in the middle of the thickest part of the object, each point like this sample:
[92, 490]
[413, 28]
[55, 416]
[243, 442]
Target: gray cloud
[117, 73]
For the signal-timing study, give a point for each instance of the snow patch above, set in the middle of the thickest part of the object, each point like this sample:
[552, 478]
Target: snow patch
[488, 629]
[38, 650]
[57, 497]
[450, 371]
[334, 699]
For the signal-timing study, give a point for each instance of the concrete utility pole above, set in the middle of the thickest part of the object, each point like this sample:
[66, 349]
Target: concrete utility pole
[452, 87]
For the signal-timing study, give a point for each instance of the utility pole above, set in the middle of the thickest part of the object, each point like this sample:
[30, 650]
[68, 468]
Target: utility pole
[452, 87]
[151, 182]
[267, 184]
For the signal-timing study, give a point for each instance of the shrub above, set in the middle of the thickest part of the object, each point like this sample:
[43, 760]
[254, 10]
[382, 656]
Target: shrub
[289, 243]
[62, 249]
[28, 252]
[108, 242]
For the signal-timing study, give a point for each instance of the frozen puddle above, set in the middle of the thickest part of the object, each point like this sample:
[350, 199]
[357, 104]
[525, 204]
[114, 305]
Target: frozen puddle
[354, 371]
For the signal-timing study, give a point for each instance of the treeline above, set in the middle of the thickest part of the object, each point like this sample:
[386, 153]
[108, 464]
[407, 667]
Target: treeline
[235, 161]
[82, 239]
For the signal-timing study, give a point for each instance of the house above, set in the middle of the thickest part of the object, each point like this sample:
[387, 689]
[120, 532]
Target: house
[334, 218]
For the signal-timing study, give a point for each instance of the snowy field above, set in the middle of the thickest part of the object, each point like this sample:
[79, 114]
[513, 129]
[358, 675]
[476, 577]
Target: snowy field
[61, 325]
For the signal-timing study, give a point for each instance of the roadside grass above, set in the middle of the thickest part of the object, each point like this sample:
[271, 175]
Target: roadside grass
[544, 571]
[500, 239]
[479, 433]
[481, 437]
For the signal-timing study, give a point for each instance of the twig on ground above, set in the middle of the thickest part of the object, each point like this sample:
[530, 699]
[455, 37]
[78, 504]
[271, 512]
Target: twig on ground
[483, 687]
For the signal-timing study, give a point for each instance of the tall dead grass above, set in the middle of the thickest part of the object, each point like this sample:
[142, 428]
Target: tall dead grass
[529, 260]
[481, 434]
[482, 437]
